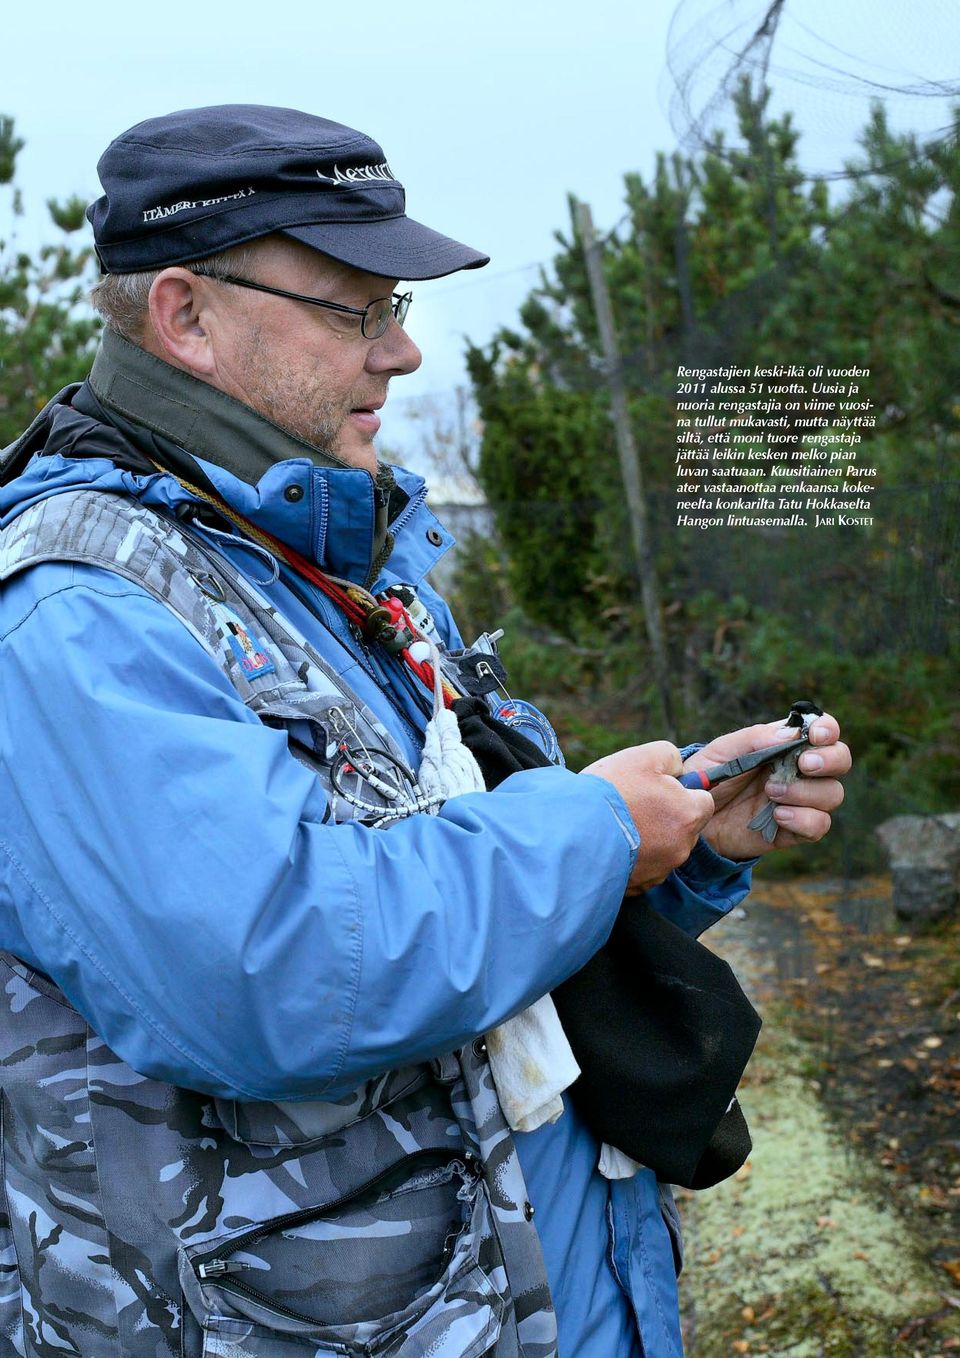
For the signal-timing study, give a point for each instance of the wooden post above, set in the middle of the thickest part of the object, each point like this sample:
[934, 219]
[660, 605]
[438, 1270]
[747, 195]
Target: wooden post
[681, 247]
[629, 466]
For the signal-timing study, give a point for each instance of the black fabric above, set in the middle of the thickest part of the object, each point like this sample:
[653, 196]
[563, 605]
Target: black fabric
[480, 673]
[497, 748]
[725, 1149]
[659, 1025]
[662, 1033]
[72, 438]
[15, 456]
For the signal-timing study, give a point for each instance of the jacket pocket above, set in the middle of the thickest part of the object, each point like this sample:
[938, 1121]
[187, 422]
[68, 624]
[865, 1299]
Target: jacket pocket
[390, 1269]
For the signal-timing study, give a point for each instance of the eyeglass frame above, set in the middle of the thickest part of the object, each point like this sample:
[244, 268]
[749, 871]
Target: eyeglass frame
[399, 301]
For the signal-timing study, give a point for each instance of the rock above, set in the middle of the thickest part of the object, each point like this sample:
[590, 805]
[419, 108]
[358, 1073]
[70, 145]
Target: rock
[924, 853]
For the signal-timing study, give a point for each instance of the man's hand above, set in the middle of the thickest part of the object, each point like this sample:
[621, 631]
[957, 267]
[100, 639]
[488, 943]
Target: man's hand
[668, 816]
[803, 808]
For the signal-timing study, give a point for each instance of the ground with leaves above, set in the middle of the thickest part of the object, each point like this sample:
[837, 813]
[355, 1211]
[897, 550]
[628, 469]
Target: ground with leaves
[841, 1235]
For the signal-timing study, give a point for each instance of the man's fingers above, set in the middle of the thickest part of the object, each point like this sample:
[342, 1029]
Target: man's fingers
[656, 756]
[832, 761]
[800, 825]
[704, 804]
[824, 733]
[821, 794]
[665, 757]
[824, 730]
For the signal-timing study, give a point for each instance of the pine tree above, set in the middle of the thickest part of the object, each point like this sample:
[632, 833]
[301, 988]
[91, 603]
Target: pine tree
[47, 332]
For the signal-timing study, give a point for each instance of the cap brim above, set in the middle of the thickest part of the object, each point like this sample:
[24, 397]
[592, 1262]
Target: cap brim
[393, 247]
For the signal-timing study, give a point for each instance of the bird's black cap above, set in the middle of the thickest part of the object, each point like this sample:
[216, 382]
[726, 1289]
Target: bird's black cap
[192, 183]
[803, 707]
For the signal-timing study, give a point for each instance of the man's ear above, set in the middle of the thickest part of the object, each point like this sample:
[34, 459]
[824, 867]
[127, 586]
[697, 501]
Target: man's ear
[180, 314]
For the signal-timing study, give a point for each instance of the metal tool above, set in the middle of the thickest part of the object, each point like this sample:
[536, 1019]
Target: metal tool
[744, 763]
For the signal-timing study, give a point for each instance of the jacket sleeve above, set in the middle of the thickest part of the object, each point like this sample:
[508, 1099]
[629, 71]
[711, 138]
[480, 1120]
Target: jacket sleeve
[700, 892]
[174, 870]
[704, 888]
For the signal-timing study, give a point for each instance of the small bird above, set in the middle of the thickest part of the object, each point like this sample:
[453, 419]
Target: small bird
[801, 717]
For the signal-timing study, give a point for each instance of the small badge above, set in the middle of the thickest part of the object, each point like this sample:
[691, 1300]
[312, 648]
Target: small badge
[252, 655]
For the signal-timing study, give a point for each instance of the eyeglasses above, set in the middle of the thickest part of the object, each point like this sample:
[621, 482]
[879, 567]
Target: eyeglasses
[375, 316]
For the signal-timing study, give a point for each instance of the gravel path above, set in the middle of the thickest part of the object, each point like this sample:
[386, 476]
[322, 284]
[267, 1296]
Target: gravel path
[803, 1253]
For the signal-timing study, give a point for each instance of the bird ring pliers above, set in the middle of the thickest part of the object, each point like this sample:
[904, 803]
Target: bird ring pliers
[744, 763]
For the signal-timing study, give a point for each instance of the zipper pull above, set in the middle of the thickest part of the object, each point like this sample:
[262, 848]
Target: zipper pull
[216, 1268]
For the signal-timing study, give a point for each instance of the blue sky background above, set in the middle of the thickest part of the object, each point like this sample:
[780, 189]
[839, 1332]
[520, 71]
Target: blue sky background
[488, 113]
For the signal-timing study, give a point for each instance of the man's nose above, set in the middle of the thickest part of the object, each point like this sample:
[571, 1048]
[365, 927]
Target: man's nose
[393, 352]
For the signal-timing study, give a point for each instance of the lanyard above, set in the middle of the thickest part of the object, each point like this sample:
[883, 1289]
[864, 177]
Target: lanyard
[385, 621]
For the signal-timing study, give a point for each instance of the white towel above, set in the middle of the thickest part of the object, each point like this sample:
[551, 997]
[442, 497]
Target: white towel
[616, 1164]
[530, 1058]
[532, 1064]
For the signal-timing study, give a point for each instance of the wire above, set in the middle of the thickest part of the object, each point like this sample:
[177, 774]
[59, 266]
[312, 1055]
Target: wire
[473, 282]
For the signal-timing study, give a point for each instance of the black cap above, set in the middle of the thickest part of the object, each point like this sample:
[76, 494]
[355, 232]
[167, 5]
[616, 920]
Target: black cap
[190, 184]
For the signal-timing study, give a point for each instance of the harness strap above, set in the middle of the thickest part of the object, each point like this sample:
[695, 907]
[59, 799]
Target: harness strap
[381, 620]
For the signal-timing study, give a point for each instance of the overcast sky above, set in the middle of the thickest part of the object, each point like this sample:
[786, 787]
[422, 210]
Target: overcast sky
[489, 113]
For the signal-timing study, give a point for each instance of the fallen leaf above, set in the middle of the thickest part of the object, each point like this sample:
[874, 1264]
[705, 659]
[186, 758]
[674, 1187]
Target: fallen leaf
[826, 1223]
[749, 1314]
[952, 1266]
[933, 1041]
[884, 1063]
[741, 1346]
[744, 1171]
[859, 1254]
[869, 960]
[902, 940]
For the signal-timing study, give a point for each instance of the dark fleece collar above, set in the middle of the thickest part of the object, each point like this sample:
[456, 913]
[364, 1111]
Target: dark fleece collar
[174, 418]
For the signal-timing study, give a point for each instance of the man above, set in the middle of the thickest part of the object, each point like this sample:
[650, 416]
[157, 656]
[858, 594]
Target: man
[250, 959]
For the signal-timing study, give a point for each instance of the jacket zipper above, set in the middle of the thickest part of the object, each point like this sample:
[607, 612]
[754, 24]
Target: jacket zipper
[215, 1267]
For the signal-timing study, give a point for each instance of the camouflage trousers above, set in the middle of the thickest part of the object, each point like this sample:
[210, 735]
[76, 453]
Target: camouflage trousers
[145, 1221]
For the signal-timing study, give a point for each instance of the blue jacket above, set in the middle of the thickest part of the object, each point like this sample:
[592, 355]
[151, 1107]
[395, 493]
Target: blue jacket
[321, 954]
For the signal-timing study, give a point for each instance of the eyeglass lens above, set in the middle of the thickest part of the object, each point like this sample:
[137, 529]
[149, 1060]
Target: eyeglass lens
[376, 316]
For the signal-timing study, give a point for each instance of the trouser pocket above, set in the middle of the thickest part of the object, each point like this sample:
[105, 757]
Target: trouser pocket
[389, 1269]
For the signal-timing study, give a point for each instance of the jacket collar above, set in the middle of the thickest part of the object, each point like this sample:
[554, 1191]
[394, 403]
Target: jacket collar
[222, 445]
[196, 416]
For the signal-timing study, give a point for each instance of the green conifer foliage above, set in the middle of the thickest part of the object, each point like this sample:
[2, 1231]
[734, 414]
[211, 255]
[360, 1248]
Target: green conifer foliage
[47, 331]
[734, 257]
